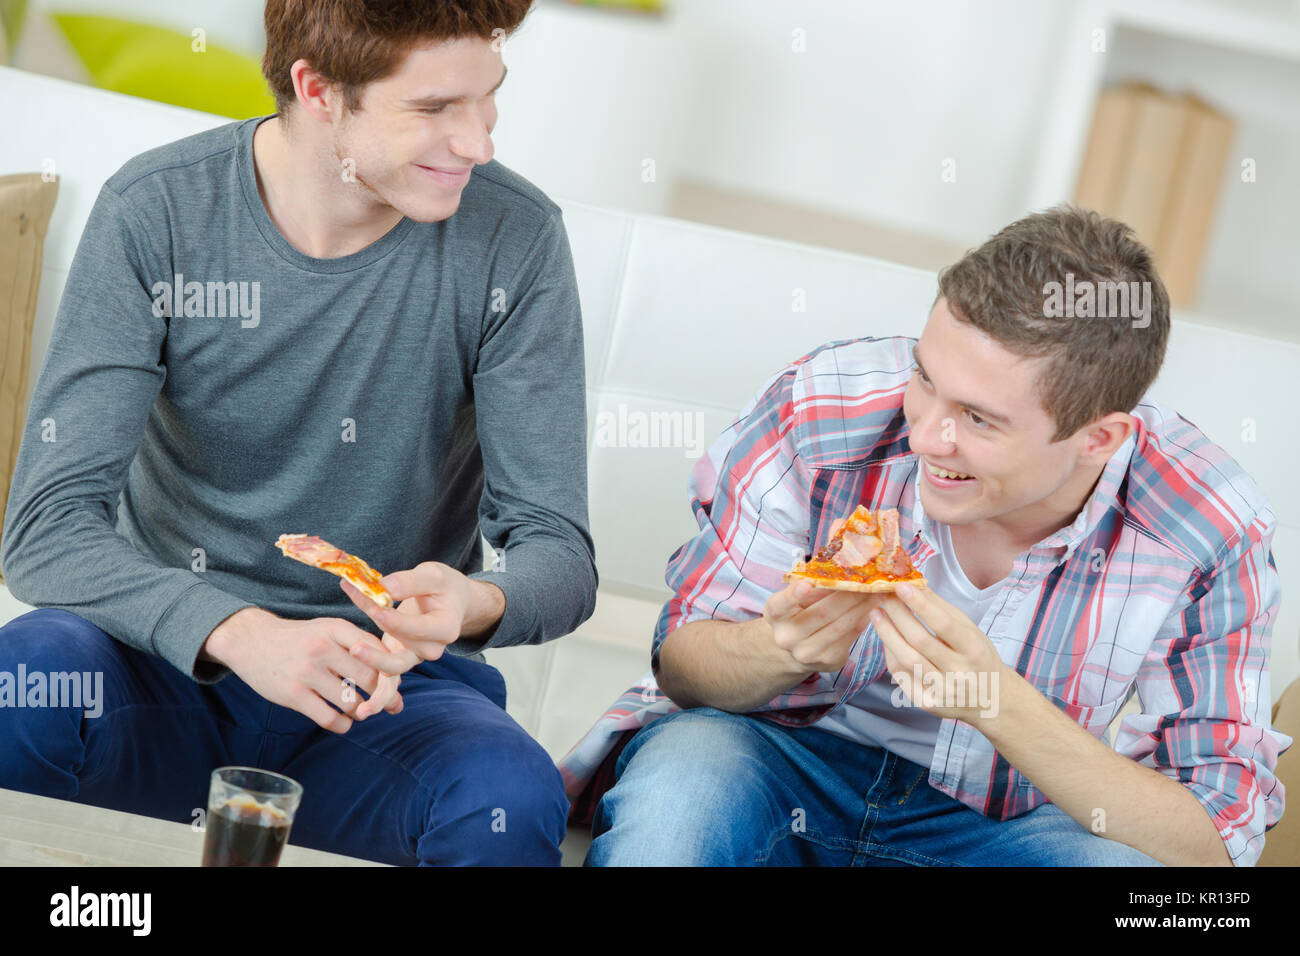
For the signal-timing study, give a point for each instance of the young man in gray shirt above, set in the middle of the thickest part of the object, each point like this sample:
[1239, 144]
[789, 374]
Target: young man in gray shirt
[344, 320]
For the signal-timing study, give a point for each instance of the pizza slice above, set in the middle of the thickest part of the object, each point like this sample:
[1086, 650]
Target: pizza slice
[310, 549]
[865, 554]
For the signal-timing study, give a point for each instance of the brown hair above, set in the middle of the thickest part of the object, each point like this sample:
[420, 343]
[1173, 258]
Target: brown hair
[356, 42]
[1095, 364]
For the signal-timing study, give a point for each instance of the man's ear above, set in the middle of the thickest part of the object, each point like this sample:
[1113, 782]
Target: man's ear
[1106, 434]
[316, 97]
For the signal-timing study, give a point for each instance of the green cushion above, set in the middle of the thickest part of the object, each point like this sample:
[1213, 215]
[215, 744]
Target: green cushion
[159, 64]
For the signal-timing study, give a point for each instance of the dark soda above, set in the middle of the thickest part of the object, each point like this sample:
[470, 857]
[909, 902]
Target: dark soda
[245, 832]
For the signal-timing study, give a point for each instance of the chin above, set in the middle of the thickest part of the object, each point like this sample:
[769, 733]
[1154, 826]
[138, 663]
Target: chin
[435, 211]
[942, 511]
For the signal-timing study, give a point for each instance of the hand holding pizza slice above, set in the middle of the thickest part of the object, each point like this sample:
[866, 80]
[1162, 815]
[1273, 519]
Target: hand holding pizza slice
[319, 553]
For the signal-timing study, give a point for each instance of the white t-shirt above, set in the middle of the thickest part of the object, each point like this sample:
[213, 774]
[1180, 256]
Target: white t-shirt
[870, 717]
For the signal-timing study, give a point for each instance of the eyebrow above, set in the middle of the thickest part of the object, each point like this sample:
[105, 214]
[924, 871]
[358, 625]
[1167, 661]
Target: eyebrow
[978, 410]
[434, 102]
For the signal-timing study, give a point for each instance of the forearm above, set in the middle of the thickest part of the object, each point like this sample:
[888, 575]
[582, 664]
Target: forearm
[736, 667]
[1107, 793]
[69, 558]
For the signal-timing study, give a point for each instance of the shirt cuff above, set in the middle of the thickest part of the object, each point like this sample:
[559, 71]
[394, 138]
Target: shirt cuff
[519, 622]
[180, 632]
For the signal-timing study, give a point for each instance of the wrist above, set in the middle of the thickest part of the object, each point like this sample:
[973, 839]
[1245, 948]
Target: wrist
[789, 670]
[485, 605]
[1014, 695]
[223, 643]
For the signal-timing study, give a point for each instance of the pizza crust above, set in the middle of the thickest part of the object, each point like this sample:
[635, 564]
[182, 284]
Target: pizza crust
[863, 587]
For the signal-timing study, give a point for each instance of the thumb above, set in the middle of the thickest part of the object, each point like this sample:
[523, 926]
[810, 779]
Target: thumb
[794, 598]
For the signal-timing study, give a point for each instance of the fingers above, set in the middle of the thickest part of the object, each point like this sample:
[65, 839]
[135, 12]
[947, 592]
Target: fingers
[434, 624]
[829, 645]
[345, 666]
[309, 702]
[384, 695]
[899, 620]
[938, 616]
[818, 636]
[790, 600]
[831, 607]
[344, 672]
[361, 656]
[394, 661]
[346, 635]
[408, 656]
[372, 610]
[396, 705]
[428, 577]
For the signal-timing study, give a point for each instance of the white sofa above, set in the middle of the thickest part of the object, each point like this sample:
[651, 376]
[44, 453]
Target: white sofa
[682, 318]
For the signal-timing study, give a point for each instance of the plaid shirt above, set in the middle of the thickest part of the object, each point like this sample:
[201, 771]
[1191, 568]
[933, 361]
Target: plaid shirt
[1174, 542]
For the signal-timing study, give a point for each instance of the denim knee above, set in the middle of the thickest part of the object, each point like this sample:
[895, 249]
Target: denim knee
[499, 801]
[41, 722]
[691, 790]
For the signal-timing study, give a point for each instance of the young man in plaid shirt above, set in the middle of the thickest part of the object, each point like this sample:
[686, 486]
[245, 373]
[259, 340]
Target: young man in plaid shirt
[1081, 542]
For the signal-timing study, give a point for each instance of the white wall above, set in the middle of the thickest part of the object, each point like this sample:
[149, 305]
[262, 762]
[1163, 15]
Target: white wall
[859, 124]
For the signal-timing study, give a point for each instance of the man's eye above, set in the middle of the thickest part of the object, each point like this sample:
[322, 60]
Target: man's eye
[917, 370]
[976, 420]
[429, 111]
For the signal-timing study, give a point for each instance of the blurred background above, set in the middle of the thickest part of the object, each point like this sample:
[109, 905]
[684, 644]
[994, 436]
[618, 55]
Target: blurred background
[907, 131]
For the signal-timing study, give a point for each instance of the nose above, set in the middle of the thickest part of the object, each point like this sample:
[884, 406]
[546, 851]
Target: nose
[933, 434]
[473, 138]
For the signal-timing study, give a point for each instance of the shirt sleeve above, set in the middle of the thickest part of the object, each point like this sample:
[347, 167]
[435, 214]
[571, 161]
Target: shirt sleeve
[103, 370]
[750, 495]
[1204, 695]
[530, 402]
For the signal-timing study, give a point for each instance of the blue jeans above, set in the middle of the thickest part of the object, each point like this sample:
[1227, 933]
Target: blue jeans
[707, 788]
[452, 779]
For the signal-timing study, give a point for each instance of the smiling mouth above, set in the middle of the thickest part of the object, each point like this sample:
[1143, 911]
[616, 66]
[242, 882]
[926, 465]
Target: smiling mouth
[457, 177]
[946, 475]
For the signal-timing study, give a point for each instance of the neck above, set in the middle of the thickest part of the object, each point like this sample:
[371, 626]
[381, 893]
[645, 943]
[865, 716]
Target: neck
[302, 187]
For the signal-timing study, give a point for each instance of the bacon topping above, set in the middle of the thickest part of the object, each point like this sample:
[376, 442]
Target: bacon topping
[858, 549]
[886, 559]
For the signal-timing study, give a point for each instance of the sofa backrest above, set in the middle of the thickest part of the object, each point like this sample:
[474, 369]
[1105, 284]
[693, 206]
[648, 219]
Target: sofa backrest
[683, 322]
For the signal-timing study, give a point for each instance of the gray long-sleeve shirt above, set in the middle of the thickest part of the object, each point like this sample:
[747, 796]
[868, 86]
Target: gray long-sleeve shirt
[393, 401]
